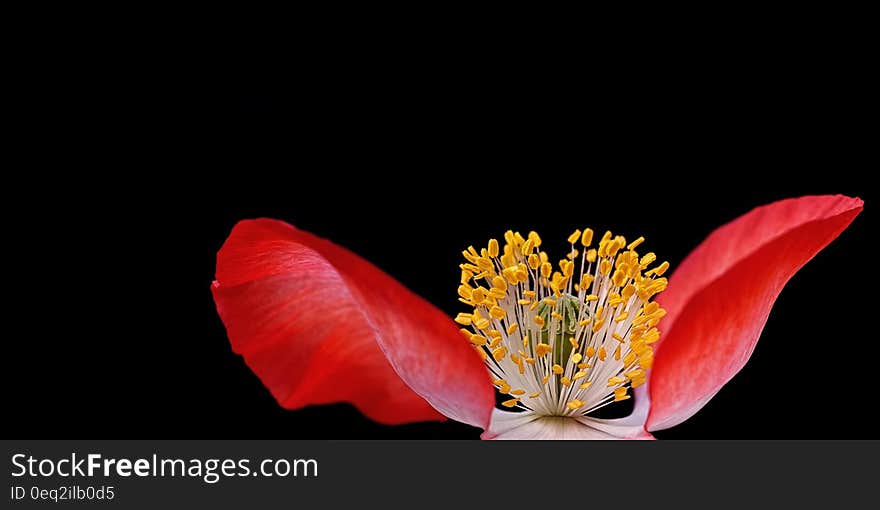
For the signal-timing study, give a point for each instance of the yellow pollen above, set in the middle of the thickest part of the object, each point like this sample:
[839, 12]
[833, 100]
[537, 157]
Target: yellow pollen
[585, 385]
[510, 403]
[512, 328]
[575, 404]
[478, 340]
[576, 357]
[614, 381]
[499, 353]
[601, 354]
[496, 341]
[518, 392]
[542, 349]
[565, 381]
[587, 237]
[493, 247]
[579, 375]
[539, 320]
[546, 378]
[557, 369]
[535, 394]
[591, 351]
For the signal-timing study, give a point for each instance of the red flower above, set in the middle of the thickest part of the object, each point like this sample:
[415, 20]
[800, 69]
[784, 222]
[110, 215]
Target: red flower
[318, 324]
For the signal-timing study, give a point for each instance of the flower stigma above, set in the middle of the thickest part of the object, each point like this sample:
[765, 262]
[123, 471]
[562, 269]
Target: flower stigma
[563, 342]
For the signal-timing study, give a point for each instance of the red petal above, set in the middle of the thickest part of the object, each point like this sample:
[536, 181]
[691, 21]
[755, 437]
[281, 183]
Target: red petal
[719, 298]
[318, 324]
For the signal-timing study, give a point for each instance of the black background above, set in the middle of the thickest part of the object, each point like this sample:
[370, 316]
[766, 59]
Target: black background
[396, 159]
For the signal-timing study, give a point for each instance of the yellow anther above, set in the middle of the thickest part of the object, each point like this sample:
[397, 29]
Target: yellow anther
[591, 351]
[496, 312]
[573, 238]
[591, 256]
[512, 328]
[591, 297]
[585, 385]
[499, 353]
[518, 238]
[530, 361]
[525, 341]
[478, 295]
[464, 319]
[565, 381]
[542, 349]
[557, 368]
[587, 237]
[481, 352]
[545, 379]
[614, 246]
[579, 375]
[584, 323]
[573, 342]
[662, 268]
[539, 320]
[617, 337]
[651, 336]
[484, 264]
[556, 315]
[633, 374]
[523, 301]
[586, 280]
[622, 317]
[479, 340]
[568, 270]
[499, 283]
[573, 255]
[510, 403]
[549, 301]
[575, 404]
[535, 394]
[493, 247]
[620, 394]
[546, 269]
[648, 259]
[508, 262]
[602, 354]
[583, 366]
[604, 267]
[629, 358]
[617, 353]
[497, 294]
[535, 238]
[466, 276]
[633, 245]
[482, 323]
[465, 291]
[518, 392]
[530, 294]
[627, 292]
[466, 332]
[619, 278]
[527, 247]
[494, 333]
[522, 274]
[576, 357]
[495, 342]
[598, 325]
[534, 305]
[534, 261]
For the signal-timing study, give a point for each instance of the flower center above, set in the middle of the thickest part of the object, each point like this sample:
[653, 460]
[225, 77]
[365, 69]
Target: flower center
[566, 342]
